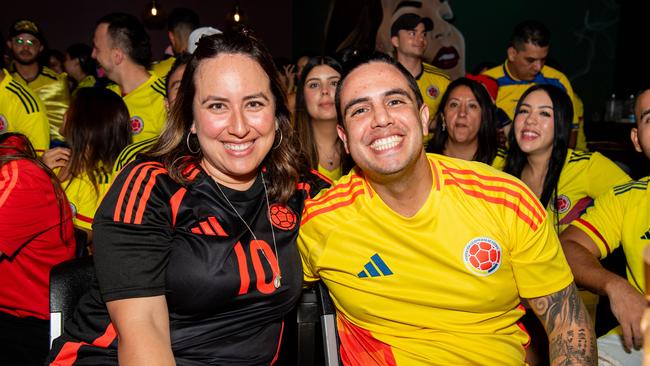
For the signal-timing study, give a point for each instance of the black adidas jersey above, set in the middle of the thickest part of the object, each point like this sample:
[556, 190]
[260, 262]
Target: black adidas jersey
[152, 237]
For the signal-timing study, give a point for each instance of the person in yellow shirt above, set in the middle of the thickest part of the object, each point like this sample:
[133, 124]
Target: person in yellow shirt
[621, 217]
[180, 23]
[315, 117]
[525, 66]
[122, 47]
[23, 112]
[427, 257]
[408, 35]
[172, 84]
[26, 44]
[565, 180]
[96, 129]
[80, 66]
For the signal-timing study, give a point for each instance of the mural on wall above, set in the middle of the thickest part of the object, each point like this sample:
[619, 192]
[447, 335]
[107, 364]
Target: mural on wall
[365, 25]
[445, 43]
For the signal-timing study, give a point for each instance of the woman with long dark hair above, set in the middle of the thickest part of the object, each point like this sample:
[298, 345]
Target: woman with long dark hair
[96, 129]
[564, 180]
[465, 125]
[315, 117]
[195, 249]
[36, 233]
[80, 66]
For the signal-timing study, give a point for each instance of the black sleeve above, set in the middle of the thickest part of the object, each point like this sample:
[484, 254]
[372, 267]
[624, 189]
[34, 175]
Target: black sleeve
[132, 233]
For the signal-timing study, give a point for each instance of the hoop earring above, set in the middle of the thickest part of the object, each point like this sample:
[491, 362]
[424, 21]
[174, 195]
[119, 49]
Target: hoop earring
[444, 125]
[279, 142]
[187, 142]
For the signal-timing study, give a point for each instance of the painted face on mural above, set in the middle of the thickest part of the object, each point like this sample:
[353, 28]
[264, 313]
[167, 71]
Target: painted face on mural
[445, 44]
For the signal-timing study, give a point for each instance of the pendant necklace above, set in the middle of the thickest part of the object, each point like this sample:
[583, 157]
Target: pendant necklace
[277, 278]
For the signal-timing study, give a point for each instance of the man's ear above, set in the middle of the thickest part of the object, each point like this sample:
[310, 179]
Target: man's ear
[394, 40]
[512, 53]
[341, 131]
[634, 136]
[118, 55]
[424, 118]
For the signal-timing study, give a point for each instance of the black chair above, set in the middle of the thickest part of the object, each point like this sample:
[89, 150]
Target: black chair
[69, 280]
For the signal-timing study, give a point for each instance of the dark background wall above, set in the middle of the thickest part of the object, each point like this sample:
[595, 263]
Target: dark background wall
[69, 21]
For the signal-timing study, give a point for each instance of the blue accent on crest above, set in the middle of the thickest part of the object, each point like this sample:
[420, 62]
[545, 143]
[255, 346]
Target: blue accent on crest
[381, 265]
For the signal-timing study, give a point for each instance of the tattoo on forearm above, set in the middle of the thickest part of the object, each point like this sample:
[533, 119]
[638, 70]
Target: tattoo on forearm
[571, 335]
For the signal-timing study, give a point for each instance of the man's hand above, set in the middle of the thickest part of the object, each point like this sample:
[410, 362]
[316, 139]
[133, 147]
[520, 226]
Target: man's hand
[627, 306]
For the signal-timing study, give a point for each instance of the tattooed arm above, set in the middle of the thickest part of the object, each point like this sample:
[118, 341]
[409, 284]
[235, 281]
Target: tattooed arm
[571, 337]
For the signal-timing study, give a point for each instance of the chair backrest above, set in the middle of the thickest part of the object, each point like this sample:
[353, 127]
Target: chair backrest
[328, 325]
[69, 280]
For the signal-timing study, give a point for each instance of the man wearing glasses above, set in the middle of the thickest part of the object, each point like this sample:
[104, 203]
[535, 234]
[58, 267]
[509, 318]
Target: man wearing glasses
[26, 44]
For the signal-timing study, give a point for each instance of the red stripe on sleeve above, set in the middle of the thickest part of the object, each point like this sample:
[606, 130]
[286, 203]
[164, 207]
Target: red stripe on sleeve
[323, 210]
[595, 231]
[216, 226]
[145, 196]
[8, 180]
[68, 353]
[175, 203]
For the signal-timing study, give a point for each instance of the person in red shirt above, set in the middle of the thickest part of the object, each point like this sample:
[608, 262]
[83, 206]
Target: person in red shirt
[36, 233]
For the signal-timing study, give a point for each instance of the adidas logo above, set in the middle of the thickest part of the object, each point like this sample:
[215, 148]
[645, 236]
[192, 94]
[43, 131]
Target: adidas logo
[646, 236]
[374, 267]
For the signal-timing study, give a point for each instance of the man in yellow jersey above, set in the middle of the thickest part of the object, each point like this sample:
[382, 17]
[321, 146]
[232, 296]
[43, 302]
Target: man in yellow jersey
[172, 84]
[26, 44]
[427, 257]
[121, 46]
[525, 65]
[180, 23]
[408, 36]
[620, 217]
[22, 111]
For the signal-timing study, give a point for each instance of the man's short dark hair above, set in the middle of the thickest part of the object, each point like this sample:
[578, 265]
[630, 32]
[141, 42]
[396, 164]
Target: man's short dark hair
[530, 31]
[182, 59]
[127, 33]
[355, 62]
[182, 18]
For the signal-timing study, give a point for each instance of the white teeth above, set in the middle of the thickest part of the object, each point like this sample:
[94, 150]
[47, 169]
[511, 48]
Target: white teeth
[447, 56]
[237, 147]
[530, 134]
[386, 143]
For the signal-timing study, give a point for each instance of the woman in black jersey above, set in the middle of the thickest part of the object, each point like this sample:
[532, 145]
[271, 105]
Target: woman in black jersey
[195, 244]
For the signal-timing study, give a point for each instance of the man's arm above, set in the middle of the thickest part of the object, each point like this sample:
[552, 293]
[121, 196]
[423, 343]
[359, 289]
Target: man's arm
[572, 339]
[626, 302]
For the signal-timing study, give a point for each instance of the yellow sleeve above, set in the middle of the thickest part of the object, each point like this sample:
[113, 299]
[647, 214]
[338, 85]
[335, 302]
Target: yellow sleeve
[34, 125]
[311, 243]
[603, 222]
[538, 262]
[84, 200]
[603, 174]
[569, 90]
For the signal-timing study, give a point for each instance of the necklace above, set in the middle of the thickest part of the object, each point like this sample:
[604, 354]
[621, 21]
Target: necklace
[277, 277]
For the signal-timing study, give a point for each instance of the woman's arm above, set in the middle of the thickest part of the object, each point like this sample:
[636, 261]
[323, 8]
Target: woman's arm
[142, 326]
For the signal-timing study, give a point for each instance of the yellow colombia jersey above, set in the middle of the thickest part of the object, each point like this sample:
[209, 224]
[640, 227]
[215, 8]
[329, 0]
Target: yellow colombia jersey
[511, 89]
[622, 217]
[433, 83]
[499, 161]
[146, 105]
[442, 287]
[22, 111]
[130, 152]
[579, 111]
[584, 177]
[52, 88]
[162, 68]
[332, 175]
[83, 197]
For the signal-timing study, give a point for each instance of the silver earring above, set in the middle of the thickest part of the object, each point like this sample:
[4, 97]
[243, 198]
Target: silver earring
[279, 142]
[187, 142]
[444, 125]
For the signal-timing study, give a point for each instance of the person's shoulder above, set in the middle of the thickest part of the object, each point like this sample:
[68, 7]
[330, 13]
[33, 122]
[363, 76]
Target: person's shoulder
[23, 96]
[24, 172]
[53, 75]
[432, 70]
[156, 85]
[495, 72]
[341, 196]
[577, 156]
[141, 172]
[633, 187]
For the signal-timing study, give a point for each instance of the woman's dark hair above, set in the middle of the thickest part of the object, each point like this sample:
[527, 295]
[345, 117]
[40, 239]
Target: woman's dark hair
[96, 128]
[487, 132]
[83, 53]
[562, 117]
[16, 146]
[302, 120]
[284, 162]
